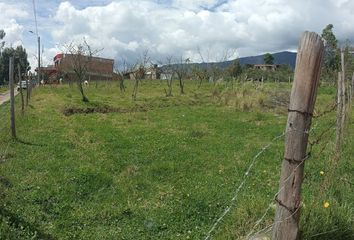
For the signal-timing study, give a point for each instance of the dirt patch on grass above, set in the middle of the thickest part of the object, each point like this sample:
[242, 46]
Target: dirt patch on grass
[68, 111]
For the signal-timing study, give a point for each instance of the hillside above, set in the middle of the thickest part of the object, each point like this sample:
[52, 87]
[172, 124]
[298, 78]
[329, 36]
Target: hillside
[286, 58]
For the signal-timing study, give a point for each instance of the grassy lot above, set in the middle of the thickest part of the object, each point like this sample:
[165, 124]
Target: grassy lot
[163, 168]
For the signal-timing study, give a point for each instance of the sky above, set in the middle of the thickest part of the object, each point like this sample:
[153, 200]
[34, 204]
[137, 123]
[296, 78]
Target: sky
[201, 30]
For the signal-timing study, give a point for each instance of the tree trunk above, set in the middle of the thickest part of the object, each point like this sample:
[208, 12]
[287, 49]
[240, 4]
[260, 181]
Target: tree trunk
[81, 89]
[181, 85]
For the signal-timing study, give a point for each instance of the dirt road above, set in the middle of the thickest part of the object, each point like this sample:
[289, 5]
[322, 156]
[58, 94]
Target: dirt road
[4, 97]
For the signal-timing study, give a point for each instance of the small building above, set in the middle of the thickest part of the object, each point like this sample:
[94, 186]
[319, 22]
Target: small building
[48, 73]
[152, 73]
[266, 67]
[96, 68]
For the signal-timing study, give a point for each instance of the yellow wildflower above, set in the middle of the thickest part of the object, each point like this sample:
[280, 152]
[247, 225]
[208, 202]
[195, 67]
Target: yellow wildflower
[321, 173]
[326, 204]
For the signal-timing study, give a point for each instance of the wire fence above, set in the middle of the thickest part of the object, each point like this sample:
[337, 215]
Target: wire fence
[260, 220]
[245, 176]
[318, 139]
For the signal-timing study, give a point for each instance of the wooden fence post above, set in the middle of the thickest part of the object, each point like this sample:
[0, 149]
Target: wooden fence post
[339, 112]
[343, 88]
[302, 101]
[27, 89]
[352, 86]
[21, 92]
[12, 96]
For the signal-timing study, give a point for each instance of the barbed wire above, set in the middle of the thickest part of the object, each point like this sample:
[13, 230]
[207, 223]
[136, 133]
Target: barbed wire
[3, 156]
[333, 107]
[228, 208]
[246, 174]
[275, 196]
[316, 142]
[318, 139]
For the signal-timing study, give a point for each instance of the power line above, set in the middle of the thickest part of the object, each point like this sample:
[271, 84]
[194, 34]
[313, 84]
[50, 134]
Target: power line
[35, 16]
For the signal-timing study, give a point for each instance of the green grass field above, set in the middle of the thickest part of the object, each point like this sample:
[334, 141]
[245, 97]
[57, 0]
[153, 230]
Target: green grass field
[163, 168]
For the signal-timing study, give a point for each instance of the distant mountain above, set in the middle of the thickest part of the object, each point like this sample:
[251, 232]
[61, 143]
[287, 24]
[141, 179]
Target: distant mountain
[286, 58]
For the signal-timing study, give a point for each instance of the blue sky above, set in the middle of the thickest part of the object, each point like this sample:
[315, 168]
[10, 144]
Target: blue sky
[211, 30]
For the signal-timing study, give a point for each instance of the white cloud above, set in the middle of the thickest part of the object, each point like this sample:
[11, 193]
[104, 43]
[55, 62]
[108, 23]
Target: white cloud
[196, 4]
[125, 28]
[9, 22]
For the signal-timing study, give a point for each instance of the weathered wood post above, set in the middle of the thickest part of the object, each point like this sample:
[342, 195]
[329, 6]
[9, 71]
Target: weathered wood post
[339, 126]
[343, 88]
[302, 101]
[12, 96]
[21, 92]
[27, 89]
[352, 86]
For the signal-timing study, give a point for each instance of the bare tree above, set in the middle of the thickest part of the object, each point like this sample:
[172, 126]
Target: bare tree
[180, 69]
[81, 57]
[167, 74]
[121, 72]
[213, 72]
[200, 74]
[138, 72]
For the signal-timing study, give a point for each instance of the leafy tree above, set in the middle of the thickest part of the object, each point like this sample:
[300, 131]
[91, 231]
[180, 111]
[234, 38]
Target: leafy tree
[268, 58]
[2, 43]
[20, 55]
[331, 59]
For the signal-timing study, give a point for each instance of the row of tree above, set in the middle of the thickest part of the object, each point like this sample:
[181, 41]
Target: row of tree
[20, 59]
[332, 59]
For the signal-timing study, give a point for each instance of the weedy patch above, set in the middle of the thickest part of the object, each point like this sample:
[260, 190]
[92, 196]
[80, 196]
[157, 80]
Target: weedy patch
[5, 182]
[197, 134]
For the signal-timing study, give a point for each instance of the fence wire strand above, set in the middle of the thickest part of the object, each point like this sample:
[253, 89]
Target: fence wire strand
[317, 141]
[253, 161]
[246, 174]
